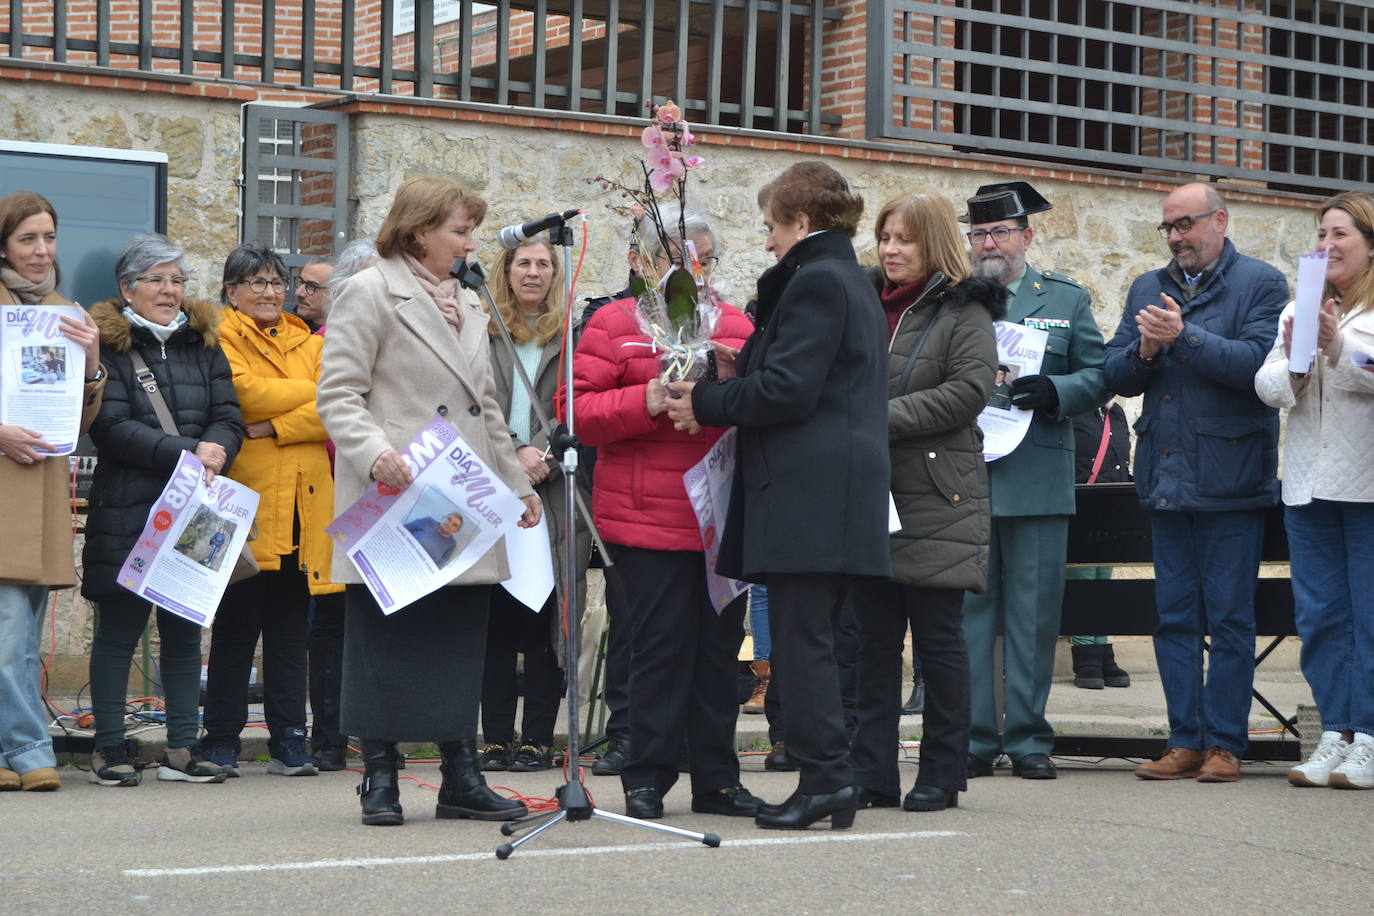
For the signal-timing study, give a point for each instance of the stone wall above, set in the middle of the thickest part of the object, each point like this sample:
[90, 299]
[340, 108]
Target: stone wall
[1101, 229]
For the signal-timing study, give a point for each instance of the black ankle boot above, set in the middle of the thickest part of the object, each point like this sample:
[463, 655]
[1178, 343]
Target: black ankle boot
[1087, 667]
[1112, 673]
[464, 793]
[379, 792]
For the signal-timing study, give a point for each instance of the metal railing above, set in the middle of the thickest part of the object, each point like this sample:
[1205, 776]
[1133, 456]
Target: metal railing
[732, 62]
[1277, 91]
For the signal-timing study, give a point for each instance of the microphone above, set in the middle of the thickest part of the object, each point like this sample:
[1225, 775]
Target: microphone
[471, 276]
[515, 236]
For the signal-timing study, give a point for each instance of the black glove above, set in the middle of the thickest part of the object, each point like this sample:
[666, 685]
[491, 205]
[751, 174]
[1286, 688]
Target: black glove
[1034, 392]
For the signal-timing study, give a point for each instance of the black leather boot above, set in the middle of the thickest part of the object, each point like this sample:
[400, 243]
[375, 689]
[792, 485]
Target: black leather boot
[1112, 673]
[1087, 667]
[379, 791]
[915, 704]
[464, 793]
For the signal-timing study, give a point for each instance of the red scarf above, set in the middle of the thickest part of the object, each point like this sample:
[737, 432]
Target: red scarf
[897, 298]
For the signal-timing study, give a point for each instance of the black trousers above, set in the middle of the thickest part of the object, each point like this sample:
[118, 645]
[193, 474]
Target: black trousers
[682, 671]
[803, 612]
[936, 618]
[513, 628]
[846, 659]
[326, 671]
[274, 604]
[617, 654]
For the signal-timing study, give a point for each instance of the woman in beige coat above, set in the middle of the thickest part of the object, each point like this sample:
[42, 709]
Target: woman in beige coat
[34, 501]
[1328, 495]
[406, 343]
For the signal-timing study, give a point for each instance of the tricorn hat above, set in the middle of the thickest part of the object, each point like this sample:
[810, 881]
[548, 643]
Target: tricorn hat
[1007, 200]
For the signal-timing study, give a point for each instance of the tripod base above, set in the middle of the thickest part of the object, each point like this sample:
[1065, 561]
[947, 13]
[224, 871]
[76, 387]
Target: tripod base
[572, 797]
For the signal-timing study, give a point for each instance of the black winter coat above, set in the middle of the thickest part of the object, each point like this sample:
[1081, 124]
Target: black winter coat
[810, 402]
[135, 457]
[1087, 439]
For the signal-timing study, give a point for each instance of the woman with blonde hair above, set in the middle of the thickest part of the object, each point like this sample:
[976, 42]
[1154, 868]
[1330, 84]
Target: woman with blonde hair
[528, 288]
[405, 343]
[1328, 495]
[940, 370]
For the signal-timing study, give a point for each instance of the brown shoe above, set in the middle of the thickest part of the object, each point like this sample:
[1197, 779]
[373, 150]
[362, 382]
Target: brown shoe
[9, 780]
[763, 671]
[1177, 763]
[1221, 766]
[43, 779]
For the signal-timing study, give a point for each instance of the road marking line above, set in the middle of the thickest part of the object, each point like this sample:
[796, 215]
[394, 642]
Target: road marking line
[525, 854]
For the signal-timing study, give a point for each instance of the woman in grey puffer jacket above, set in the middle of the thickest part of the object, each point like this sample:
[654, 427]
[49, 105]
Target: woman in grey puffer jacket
[941, 365]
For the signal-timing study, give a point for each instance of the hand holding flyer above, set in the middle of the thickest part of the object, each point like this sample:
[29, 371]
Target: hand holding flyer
[1020, 350]
[408, 542]
[42, 373]
[188, 547]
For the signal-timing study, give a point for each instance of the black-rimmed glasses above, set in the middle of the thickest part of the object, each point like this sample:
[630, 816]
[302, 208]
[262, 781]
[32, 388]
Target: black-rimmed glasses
[260, 284]
[999, 234]
[1182, 224]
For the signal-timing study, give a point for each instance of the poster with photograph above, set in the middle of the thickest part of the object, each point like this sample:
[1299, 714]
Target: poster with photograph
[407, 543]
[1020, 351]
[708, 484]
[193, 536]
[42, 373]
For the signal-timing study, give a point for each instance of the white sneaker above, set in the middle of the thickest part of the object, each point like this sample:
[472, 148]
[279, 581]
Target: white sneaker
[1330, 753]
[1357, 772]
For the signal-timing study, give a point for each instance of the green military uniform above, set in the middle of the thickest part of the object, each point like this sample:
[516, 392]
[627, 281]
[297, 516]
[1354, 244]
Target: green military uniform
[1032, 499]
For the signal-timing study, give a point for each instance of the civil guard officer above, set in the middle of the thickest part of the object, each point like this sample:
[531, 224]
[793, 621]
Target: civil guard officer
[1031, 488]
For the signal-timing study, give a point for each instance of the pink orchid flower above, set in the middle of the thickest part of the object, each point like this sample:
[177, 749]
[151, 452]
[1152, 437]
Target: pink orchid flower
[668, 113]
[661, 179]
[652, 137]
[693, 162]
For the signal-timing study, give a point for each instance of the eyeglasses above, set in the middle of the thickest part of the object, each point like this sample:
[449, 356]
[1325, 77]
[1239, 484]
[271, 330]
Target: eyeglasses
[260, 284]
[999, 234]
[311, 287]
[1182, 224]
[178, 281]
[708, 263]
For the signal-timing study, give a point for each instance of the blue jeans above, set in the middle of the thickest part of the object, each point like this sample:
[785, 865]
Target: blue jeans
[24, 741]
[1206, 564]
[758, 622]
[1331, 546]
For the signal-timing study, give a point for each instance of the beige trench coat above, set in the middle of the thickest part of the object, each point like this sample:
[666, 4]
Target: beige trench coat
[36, 499]
[390, 364]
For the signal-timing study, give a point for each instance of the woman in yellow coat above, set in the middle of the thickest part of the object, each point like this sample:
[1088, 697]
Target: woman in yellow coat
[276, 364]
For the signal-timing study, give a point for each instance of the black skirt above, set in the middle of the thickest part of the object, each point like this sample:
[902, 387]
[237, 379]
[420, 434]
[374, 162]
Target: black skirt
[415, 675]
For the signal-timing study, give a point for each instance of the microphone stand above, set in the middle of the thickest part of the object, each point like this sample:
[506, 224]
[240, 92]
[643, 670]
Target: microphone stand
[574, 804]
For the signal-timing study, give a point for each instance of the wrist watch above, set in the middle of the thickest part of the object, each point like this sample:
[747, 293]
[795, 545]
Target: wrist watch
[99, 374]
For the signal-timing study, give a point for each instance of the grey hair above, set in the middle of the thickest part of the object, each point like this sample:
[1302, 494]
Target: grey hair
[1214, 200]
[651, 246]
[356, 256]
[320, 259]
[144, 251]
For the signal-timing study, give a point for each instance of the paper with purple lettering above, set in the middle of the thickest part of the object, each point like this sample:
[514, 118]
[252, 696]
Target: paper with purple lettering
[1307, 305]
[708, 484]
[1020, 350]
[42, 373]
[407, 543]
[191, 542]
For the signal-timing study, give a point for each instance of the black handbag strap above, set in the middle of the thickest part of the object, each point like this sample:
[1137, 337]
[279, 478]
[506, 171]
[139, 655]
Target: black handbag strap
[937, 284]
[148, 381]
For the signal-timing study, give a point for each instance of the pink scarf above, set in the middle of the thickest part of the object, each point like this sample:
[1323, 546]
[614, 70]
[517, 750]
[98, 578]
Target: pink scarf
[443, 292]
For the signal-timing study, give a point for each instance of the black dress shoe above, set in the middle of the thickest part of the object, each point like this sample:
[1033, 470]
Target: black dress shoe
[777, 760]
[870, 799]
[801, 811]
[930, 798]
[978, 767]
[613, 760]
[645, 803]
[733, 801]
[1035, 766]
[916, 703]
[328, 759]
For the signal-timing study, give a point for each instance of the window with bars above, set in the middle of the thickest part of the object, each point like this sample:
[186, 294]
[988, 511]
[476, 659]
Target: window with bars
[1267, 90]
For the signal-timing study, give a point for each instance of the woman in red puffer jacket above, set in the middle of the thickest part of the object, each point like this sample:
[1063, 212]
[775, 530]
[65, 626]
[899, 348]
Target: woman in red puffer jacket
[682, 653]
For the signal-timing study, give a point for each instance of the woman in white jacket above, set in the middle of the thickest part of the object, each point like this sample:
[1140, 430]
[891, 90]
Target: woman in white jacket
[1328, 492]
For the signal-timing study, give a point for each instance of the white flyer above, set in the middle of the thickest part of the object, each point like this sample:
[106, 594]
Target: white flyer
[531, 564]
[407, 543]
[42, 373]
[1020, 350]
[708, 484]
[191, 542]
[1307, 306]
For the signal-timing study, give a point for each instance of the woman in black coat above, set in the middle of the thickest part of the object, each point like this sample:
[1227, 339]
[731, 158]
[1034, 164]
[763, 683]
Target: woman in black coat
[940, 369]
[808, 512]
[177, 340]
